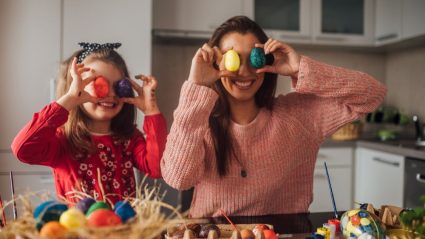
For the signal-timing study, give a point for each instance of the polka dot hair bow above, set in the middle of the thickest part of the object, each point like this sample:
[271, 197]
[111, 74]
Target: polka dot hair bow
[92, 47]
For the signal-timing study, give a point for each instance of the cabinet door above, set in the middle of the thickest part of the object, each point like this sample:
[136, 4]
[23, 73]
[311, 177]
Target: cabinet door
[413, 18]
[348, 22]
[339, 163]
[288, 20]
[378, 178]
[197, 15]
[341, 187]
[35, 186]
[388, 21]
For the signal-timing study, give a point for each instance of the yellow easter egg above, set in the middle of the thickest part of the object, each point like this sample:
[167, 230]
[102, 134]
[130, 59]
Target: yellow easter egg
[231, 60]
[53, 230]
[72, 219]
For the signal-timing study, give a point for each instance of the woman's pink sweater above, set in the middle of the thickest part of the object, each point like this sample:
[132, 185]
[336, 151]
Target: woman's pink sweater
[277, 149]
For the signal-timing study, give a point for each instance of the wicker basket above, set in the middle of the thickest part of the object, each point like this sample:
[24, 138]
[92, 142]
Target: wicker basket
[349, 131]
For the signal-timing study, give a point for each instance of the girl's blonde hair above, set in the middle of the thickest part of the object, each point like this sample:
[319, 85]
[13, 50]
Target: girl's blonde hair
[76, 128]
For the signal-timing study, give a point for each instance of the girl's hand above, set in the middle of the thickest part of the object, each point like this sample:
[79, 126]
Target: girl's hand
[202, 71]
[146, 98]
[76, 94]
[286, 59]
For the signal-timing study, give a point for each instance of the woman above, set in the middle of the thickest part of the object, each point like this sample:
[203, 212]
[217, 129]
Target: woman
[245, 151]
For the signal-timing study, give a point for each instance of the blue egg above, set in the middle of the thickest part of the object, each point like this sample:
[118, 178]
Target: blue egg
[123, 88]
[84, 204]
[48, 211]
[124, 210]
[257, 57]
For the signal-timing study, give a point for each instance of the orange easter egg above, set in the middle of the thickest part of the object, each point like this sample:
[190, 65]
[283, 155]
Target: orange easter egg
[53, 230]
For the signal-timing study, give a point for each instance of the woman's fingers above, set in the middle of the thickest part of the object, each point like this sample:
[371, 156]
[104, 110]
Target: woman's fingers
[209, 51]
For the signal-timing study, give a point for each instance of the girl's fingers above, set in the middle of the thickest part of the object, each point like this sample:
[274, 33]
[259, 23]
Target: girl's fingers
[136, 86]
[84, 69]
[73, 69]
[128, 100]
[89, 79]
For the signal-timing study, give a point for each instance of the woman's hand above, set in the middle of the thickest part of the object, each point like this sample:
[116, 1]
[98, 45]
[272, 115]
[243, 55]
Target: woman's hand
[286, 59]
[76, 94]
[146, 98]
[202, 71]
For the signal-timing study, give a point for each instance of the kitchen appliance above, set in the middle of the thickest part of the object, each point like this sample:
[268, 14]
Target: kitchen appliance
[414, 182]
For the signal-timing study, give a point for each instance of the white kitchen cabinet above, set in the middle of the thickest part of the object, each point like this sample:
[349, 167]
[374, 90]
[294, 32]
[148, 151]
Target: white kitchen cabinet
[337, 22]
[339, 161]
[413, 18]
[288, 20]
[388, 21]
[378, 178]
[196, 18]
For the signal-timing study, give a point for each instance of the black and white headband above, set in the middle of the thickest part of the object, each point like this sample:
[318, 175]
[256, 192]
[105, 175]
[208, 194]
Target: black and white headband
[91, 47]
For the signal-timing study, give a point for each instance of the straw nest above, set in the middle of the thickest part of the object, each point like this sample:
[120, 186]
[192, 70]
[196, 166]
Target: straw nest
[149, 223]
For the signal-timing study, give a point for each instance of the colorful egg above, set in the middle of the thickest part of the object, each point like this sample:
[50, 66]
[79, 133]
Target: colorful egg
[101, 87]
[360, 222]
[231, 60]
[97, 205]
[53, 230]
[73, 218]
[48, 211]
[269, 234]
[259, 227]
[247, 234]
[84, 204]
[257, 57]
[124, 210]
[123, 88]
[103, 218]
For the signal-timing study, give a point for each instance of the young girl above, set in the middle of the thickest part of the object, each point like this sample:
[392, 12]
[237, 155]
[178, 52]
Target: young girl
[91, 142]
[243, 150]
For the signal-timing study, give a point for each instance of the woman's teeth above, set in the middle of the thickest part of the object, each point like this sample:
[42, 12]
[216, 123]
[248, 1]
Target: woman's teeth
[243, 84]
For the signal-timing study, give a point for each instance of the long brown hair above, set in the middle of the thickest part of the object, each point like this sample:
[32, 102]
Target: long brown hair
[219, 119]
[76, 128]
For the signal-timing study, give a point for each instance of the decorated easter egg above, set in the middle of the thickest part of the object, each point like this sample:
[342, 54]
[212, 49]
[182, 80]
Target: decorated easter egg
[72, 218]
[84, 204]
[206, 228]
[269, 234]
[97, 205]
[231, 60]
[123, 88]
[48, 211]
[53, 230]
[124, 210]
[247, 234]
[257, 57]
[101, 87]
[259, 227]
[103, 218]
[359, 222]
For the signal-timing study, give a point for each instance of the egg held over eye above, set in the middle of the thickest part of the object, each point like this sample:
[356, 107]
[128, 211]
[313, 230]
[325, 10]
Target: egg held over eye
[231, 60]
[123, 88]
[101, 87]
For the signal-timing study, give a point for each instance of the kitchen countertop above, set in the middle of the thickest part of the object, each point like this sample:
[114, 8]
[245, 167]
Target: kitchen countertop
[405, 148]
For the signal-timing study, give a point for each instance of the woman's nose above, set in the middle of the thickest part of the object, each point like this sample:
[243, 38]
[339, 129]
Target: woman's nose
[245, 68]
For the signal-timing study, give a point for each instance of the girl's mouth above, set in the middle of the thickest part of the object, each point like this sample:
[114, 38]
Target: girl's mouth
[110, 105]
[243, 84]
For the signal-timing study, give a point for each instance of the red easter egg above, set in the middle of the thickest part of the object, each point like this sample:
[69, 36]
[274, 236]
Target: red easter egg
[269, 234]
[103, 218]
[259, 227]
[101, 87]
[355, 220]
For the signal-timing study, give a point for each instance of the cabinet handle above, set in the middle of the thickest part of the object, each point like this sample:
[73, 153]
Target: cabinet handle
[420, 178]
[387, 37]
[396, 164]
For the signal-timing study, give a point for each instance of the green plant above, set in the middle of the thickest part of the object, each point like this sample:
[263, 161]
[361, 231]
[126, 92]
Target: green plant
[414, 220]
